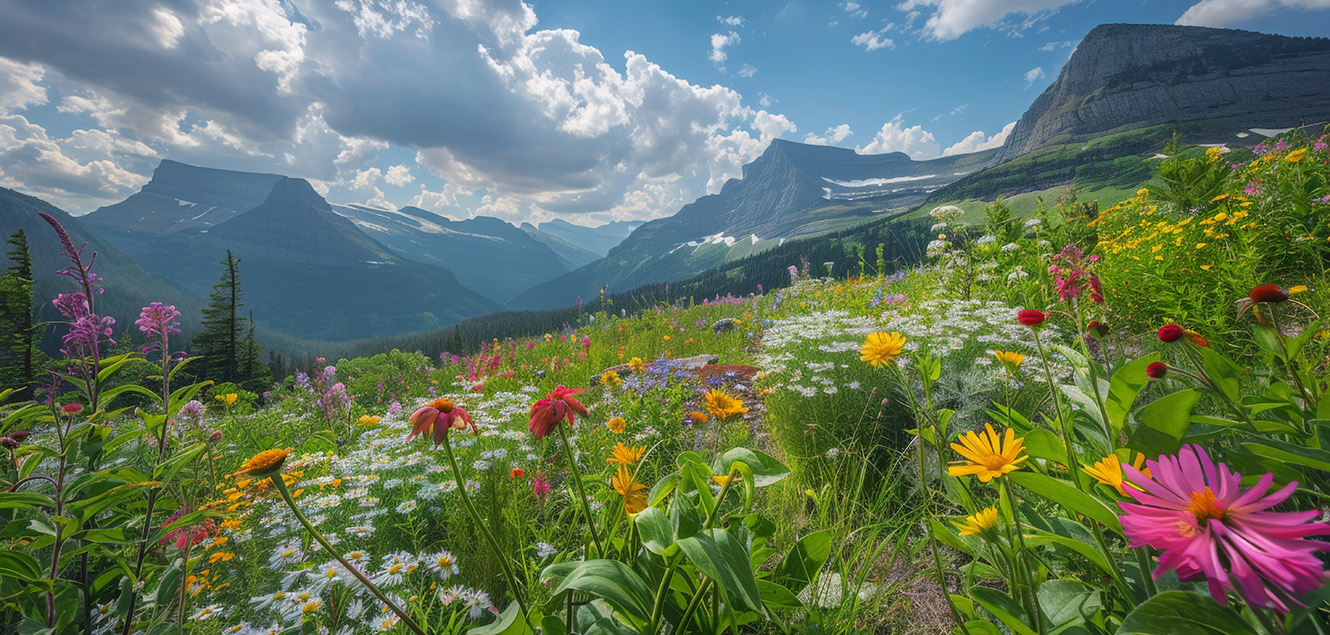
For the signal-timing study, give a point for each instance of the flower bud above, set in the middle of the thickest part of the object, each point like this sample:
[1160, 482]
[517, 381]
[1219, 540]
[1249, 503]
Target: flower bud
[8, 443]
[72, 408]
[1156, 370]
[215, 437]
[1031, 317]
[1099, 329]
[1170, 333]
[19, 436]
[1272, 293]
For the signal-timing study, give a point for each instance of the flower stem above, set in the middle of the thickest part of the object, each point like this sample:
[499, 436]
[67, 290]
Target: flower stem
[489, 537]
[1143, 563]
[581, 491]
[692, 606]
[1062, 421]
[373, 588]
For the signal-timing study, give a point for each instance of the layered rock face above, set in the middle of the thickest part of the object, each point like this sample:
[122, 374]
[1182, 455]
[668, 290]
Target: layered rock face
[1127, 76]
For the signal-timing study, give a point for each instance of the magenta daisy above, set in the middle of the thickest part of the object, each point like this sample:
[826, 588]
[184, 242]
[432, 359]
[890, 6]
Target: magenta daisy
[1209, 528]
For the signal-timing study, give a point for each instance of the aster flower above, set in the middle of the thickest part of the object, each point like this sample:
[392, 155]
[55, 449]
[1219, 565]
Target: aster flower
[264, 463]
[441, 415]
[880, 348]
[988, 456]
[723, 406]
[633, 493]
[1109, 471]
[1210, 528]
[980, 524]
[626, 455]
[557, 406]
[616, 425]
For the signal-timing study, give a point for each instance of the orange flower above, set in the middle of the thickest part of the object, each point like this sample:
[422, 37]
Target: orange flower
[616, 425]
[557, 406]
[517, 473]
[441, 415]
[264, 463]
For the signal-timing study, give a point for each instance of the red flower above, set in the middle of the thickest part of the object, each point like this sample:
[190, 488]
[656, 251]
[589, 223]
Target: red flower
[555, 407]
[1156, 370]
[1031, 317]
[517, 473]
[72, 408]
[1268, 293]
[1098, 328]
[1170, 333]
[441, 414]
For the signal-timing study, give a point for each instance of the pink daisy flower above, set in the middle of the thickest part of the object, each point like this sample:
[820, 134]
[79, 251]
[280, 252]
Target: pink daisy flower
[1209, 528]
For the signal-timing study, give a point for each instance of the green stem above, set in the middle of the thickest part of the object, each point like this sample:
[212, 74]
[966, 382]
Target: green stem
[1023, 567]
[1072, 465]
[692, 607]
[484, 530]
[1143, 563]
[373, 588]
[581, 491]
[1309, 401]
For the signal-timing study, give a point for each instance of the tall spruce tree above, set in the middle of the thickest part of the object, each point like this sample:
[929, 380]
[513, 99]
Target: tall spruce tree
[17, 335]
[219, 342]
[252, 374]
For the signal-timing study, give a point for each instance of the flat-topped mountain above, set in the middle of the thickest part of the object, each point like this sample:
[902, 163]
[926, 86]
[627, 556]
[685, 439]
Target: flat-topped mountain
[1129, 76]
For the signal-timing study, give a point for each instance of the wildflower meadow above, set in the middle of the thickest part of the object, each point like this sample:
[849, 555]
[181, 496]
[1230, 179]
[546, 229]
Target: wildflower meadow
[1053, 424]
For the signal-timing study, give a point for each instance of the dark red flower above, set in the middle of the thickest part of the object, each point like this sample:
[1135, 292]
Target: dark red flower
[555, 407]
[1269, 293]
[1170, 333]
[1098, 328]
[1156, 370]
[72, 408]
[1031, 317]
[19, 436]
[442, 415]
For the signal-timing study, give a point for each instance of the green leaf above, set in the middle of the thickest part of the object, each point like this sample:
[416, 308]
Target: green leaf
[24, 500]
[1226, 375]
[1002, 607]
[1068, 496]
[800, 566]
[1066, 602]
[510, 622]
[724, 559]
[167, 471]
[1040, 537]
[614, 582]
[1163, 423]
[766, 470]
[1124, 387]
[657, 534]
[777, 597]
[19, 566]
[110, 365]
[950, 538]
[684, 518]
[1290, 453]
[108, 396]
[977, 627]
[1042, 443]
[1183, 613]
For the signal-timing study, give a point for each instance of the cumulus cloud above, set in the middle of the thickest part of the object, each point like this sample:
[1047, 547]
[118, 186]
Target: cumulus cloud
[399, 175]
[1033, 75]
[718, 43]
[84, 170]
[20, 85]
[950, 19]
[873, 40]
[976, 141]
[1223, 13]
[831, 137]
[731, 20]
[895, 137]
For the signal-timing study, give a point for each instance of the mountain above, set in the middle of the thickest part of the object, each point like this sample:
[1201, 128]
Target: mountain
[309, 272]
[793, 190]
[597, 240]
[489, 256]
[180, 200]
[569, 254]
[1129, 76]
[128, 286]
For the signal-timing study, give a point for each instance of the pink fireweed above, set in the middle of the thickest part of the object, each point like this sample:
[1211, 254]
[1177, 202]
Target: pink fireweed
[1209, 528]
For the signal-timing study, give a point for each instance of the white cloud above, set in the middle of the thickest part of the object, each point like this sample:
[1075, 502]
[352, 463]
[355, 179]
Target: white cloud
[718, 43]
[83, 171]
[747, 70]
[732, 20]
[873, 40]
[1033, 75]
[1223, 13]
[399, 175]
[976, 141]
[854, 9]
[951, 19]
[895, 137]
[831, 137]
[166, 27]
[365, 179]
[1051, 46]
[20, 85]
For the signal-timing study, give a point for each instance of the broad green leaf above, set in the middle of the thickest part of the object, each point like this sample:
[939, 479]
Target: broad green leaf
[977, 627]
[664, 487]
[1123, 388]
[724, 558]
[1226, 375]
[950, 538]
[684, 518]
[1066, 602]
[24, 500]
[19, 566]
[1068, 496]
[612, 581]
[657, 534]
[766, 470]
[108, 396]
[778, 597]
[1039, 537]
[1002, 607]
[1290, 453]
[167, 471]
[1183, 613]
[1163, 423]
[1042, 443]
[800, 566]
[510, 622]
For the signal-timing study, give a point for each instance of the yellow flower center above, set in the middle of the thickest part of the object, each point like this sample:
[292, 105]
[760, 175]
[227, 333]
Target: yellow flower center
[442, 404]
[1204, 506]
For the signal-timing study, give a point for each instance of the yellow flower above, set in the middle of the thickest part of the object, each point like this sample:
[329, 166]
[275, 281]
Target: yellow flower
[264, 463]
[981, 523]
[881, 348]
[700, 417]
[369, 420]
[635, 364]
[633, 493]
[723, 406]
[229, 398]
[988, 456]
[1008, 357]
[626, 455]
[1200, 245]
[722, 479]
[1296, 155]
[616, 425]
[1109, 471]
[665, 338]
[1300, 288]
[610, 378]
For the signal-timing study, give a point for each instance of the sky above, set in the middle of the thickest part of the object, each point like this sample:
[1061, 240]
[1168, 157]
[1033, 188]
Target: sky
[586, 110]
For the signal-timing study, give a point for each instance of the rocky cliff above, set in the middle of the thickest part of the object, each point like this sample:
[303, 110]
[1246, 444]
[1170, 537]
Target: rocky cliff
[1128, 76]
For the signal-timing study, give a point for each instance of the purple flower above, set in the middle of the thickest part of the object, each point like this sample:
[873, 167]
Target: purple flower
[794, 273]
[158, 321]
[85, 335]
[71, 305]
[193, 410]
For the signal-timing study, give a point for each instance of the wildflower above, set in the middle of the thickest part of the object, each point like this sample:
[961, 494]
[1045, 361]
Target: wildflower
[1031, 317]
[264, 463]
[1296, 289]
[616, 425]
[1170, 333]
[555, 407]
[443, 415]
[1156, 370]
[633, 493]
[192, 410]
[1009, 358]
[545, 550]
[880, 348]
[157, 320]
[444, 564]
[1208, 527]
[988, 456]
[610, 378]
[369, 420]
[722, 479]
[72, 408]
[1296, 155]
[540, 487]
[698, 417]
[980, 524]
[635, 365]
[1109, 471]
[626, 455]
[1097, 328]
[723, 406]
[1271, 293]
[228, 398]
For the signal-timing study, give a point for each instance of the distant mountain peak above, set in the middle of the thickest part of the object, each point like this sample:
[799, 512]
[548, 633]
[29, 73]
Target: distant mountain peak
[292, 191]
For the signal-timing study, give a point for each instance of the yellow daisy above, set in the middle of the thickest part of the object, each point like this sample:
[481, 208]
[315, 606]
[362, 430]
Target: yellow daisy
[988, 456]
[626, 455]
[1109, 471]
[881, 348]
[633, 493]
[723, 406]
[980, 524]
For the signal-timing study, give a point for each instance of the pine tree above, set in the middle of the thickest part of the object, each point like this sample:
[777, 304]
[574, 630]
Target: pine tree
[457, 341]
[219, 342]
[17, 336]
[253, 374]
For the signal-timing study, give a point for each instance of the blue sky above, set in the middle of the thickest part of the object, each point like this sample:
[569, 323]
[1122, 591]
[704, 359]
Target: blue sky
[591, 110]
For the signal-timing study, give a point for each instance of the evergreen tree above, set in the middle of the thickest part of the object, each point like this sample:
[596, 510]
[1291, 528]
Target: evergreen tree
[458, 348]
[252, 374]
[219, 343]
[17, 336]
